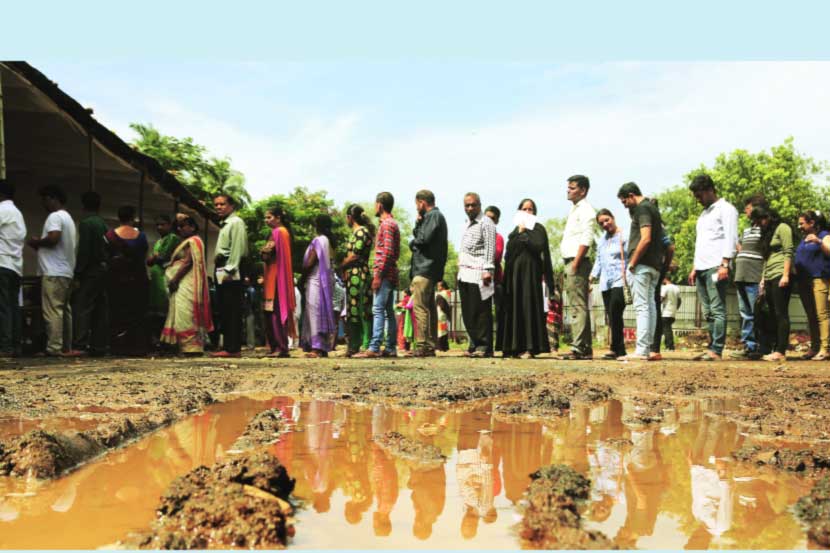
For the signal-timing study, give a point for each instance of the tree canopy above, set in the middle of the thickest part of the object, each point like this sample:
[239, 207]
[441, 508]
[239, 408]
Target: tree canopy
[203, 175]
[790, 181]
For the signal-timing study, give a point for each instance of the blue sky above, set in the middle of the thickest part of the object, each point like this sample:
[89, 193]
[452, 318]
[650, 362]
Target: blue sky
[504, 129]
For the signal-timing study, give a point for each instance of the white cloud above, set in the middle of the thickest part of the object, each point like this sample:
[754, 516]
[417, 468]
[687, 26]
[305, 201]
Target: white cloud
[645, 122]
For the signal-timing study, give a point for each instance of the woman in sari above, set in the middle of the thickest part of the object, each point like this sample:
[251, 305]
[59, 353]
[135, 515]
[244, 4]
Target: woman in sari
[357, 276]
[128, 285]
[278, 284]
[318, 282]
[524, 331]
[188, 315]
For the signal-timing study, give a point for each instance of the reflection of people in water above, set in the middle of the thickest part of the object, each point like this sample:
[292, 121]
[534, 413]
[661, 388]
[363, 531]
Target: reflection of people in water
[385, 484]
[428, 497]
[606, 472]
[521, 449]
[354, 462]
[320, 446]
[474, 471]
[645, 483]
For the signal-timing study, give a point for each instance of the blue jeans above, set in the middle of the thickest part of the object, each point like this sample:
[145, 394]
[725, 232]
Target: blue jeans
[643, 285]
[747, 294]
[712, 296]
[383, 309]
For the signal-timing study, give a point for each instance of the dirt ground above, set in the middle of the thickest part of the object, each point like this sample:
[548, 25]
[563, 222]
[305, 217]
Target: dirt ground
[784, 407]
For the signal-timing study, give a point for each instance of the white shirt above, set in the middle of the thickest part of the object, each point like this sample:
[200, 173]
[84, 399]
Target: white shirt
[717, 235]
[669, 296]
[59, 260]
[12, 237]
[579, 229]
[478, 250]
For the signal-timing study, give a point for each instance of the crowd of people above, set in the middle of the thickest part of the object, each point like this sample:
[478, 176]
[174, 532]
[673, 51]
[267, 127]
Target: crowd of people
[104, 290]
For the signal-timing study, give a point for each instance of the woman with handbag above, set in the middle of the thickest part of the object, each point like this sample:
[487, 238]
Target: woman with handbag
[609, 269]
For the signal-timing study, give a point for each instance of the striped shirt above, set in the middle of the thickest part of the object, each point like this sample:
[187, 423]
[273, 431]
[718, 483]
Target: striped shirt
[478, 250]
[387, 251]
[749, 262]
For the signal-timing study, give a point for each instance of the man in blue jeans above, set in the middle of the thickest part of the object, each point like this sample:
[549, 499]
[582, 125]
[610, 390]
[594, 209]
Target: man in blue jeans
[645, 259]
[384, 279]
[749, 266]
[715, 245]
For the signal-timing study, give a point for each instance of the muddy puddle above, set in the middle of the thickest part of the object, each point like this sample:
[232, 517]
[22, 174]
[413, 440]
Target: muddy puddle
[671, 485]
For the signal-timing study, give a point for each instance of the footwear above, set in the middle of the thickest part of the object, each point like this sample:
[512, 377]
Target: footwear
[708, 356]
[655, 357]
[73, 353]
[225, 354]
[610, 356]
[576, 356]
[368, 354]
[634, 357]
[809, 355]
[526, 355]
[739, 354]
[478, 354]
[823, 356]
[389, 353]
[774, 356]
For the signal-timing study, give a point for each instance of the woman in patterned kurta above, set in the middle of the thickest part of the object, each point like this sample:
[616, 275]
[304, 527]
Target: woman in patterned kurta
[357, 276]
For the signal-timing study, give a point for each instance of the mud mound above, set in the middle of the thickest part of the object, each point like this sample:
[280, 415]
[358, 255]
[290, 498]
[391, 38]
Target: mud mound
[551, 519]
[542, 401]
[648, 410]
[263, 429]
[470, 390]
[398, 445]
[46, 455]
[585, 391]
[241, 503]
[814, 509]
[802, 460]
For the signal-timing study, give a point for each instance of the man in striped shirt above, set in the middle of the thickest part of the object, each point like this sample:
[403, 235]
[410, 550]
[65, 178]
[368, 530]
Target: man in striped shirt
[476, 268]
[749, 266]
[384, 279]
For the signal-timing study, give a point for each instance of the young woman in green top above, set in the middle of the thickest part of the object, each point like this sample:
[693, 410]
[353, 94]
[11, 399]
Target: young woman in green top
[777, 242]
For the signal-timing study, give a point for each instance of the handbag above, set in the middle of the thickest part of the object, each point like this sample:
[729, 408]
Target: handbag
[627, 297]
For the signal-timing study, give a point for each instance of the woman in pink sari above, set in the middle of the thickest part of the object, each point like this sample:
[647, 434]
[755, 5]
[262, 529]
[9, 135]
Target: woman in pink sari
[318, 280]
[188, 315]
[278, 285]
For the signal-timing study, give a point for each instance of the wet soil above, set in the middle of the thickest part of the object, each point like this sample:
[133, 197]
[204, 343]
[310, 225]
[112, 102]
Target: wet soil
[814, 509]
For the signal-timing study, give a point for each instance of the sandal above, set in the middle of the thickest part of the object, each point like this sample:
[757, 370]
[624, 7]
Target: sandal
[823, 356]
[708, 356]
[774, 356]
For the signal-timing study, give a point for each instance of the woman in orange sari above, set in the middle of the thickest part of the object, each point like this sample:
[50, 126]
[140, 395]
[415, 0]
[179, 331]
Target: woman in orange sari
[188, 315]
[278, 285]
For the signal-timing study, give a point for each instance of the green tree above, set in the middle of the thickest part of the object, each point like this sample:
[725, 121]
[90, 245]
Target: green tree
[203, 176]
[791, 181]
[556, 228]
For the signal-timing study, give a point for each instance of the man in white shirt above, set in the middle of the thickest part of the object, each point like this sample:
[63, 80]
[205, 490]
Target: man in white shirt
[715, 246]
[12, 237]
[576, 241]
[670, 303]
[56, 264]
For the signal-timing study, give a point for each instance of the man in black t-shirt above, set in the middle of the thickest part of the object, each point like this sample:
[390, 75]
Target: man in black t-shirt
[645, 259]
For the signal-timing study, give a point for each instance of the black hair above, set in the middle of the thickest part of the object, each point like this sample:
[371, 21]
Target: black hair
[6, 188]
[628, 189]
[91, 200]
[426, 195]
[521, 203]
[188, 220]
[756, 200]
[702, 182]
[277, 210]
[126, 214]
[816, 217]
[164, 218]
[357, 213]
[493, 209]
[230, 199]
[53, 191]
[604, 211]
[581, 181]
[763, 212]
[386, 200]
[323, 224]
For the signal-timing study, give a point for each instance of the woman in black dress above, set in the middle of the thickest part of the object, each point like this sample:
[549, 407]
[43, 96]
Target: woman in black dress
[523, 332]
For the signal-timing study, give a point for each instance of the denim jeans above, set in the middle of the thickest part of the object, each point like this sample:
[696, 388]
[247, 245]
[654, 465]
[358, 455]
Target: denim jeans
[383, 310]
[712, 296]
[643, 284]
[747, 295]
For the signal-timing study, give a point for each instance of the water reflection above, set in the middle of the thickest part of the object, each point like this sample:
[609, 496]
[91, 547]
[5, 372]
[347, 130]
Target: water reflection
[668, 486]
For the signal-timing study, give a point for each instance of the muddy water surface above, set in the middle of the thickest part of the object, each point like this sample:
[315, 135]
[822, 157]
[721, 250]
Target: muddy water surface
[668, 486]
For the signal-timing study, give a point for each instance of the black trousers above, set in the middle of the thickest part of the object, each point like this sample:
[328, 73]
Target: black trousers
[658, 328]
[90, 313]
[9, 311]
[230, 310]
[614, 302]
[498, 300]
[668, 332]
[777, 338]
[478, 318]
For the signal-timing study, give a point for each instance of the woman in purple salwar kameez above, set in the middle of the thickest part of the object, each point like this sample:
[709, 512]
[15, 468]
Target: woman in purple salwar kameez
[318, 324]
